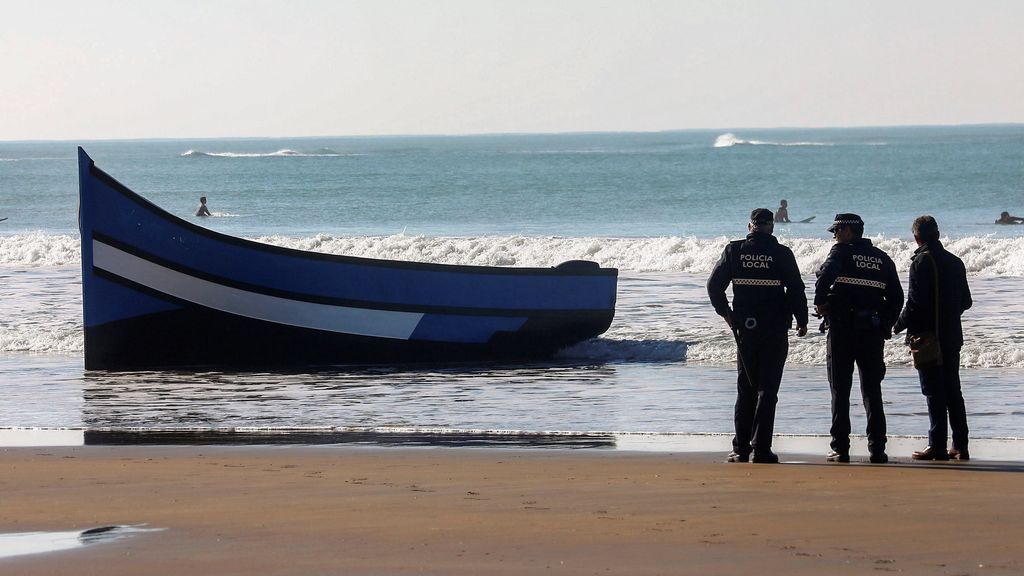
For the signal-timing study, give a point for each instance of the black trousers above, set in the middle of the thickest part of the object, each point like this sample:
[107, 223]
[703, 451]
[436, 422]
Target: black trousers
[760, 360]
[941, 387]
[847, 347]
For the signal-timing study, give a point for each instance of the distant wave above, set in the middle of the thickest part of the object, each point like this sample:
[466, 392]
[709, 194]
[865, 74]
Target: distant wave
[983, 255]
[284, 152]
[729, 139]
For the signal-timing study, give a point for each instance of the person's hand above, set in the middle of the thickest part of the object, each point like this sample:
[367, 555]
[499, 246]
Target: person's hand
[821, 310]
[801, 331]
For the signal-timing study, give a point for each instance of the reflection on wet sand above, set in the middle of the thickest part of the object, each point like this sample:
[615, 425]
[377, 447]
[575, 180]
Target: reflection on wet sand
[418, 437]
[24, 543]
[463, 397]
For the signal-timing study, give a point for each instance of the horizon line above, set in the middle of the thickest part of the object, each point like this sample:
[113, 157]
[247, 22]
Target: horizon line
[524, 133]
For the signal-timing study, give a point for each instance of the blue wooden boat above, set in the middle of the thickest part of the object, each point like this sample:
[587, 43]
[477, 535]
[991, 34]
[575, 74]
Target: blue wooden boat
[161, 292]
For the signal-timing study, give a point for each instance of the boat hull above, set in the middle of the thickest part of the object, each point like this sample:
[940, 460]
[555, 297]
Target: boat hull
[161, 292]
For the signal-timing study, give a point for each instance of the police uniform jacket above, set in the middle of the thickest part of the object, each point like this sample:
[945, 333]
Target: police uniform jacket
[860, 285]
[954, 295]
[766, 284]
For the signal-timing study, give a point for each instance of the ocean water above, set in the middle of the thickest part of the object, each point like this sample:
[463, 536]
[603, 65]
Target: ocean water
[658, 206]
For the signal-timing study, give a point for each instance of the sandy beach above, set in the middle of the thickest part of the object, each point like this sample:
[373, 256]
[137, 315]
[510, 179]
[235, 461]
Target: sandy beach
[330, 510]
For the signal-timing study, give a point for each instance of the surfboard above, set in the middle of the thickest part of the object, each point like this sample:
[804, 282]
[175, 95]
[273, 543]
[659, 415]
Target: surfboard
[805, 220]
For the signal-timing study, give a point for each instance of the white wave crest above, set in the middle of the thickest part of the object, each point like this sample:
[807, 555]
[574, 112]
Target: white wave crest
[729, 139]
[39, 249]
[982, 255]
[323, 152]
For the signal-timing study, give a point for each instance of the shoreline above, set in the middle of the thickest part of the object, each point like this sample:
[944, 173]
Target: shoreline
[800, 447]
[372, 510]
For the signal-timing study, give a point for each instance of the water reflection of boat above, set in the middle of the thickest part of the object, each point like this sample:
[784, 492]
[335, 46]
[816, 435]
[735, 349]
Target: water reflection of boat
[159, 292]
[407, 437]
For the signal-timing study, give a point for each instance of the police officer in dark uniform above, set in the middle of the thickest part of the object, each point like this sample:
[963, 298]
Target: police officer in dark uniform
[859, 295]
[767, 293]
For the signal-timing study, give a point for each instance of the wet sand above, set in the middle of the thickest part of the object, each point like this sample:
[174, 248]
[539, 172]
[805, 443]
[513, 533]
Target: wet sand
[381, 511]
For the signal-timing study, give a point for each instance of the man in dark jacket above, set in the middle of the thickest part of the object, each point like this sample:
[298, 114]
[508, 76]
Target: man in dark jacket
[940, 383]
[859, 294]
[767, 293]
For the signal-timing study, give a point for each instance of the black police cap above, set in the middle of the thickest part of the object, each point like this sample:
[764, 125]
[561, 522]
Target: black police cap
[846, 219]
[762, 216]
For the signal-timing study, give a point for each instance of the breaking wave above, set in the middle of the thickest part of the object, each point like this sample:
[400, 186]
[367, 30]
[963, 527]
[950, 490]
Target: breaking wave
[729, 139]
[284, 152]
[983, 256]
[662, 314]
[39, 249]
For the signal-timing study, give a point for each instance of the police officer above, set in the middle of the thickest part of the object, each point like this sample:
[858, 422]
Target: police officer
[859, 295]
[767, 293]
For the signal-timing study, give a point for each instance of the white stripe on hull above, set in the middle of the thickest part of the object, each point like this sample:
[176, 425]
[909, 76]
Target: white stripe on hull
[360, 321]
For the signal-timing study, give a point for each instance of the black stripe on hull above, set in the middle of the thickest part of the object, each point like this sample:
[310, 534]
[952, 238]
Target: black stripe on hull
[200, 337]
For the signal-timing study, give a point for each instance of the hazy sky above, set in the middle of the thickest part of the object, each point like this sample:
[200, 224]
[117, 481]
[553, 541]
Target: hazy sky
[181, 68]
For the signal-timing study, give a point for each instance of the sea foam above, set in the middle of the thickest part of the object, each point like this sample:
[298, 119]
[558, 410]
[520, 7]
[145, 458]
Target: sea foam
[982, 255]
[40, 249]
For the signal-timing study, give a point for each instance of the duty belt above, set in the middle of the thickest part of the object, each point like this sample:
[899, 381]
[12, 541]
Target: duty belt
[756, 282]
[861, 282]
